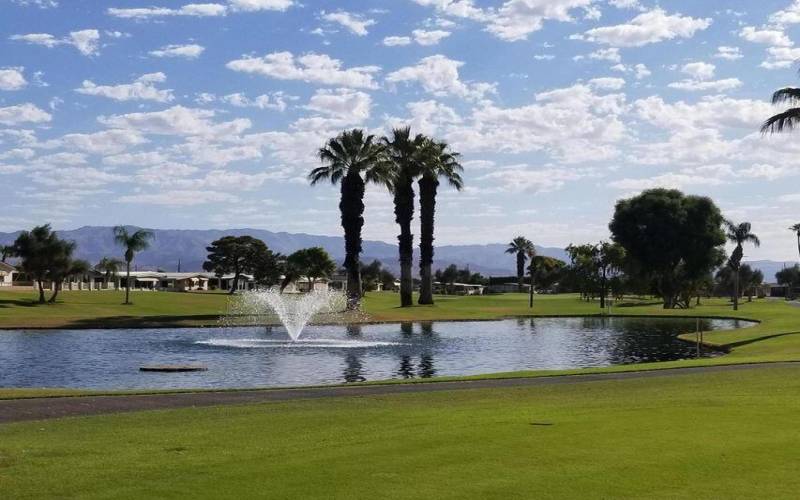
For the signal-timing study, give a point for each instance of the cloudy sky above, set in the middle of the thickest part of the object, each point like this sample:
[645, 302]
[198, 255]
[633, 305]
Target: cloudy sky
[207, 115]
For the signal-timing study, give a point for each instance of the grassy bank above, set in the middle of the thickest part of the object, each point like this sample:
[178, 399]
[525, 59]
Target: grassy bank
[721, 435]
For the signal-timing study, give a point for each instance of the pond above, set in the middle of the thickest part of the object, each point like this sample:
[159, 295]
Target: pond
[264, 357]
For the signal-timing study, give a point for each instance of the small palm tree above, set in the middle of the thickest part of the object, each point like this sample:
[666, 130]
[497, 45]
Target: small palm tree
[109, 266]
[437, 161]
[403, 151]
[796, 229]
[352, 159]
[738, 234]
[132, 242]
[520, 246]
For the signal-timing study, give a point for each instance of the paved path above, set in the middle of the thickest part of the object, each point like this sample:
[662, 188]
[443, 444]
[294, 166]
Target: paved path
[18, 410]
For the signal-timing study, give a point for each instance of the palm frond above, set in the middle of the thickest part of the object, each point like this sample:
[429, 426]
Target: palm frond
[782, 121]
[786, 94]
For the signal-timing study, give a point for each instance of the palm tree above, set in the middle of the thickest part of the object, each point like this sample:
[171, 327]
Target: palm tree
[520, 246]
[109, 266]
[351, 159]
[738, 234]
[403, 152]
[436, 161]
[796, 229]
[132, 242]
[789, 118]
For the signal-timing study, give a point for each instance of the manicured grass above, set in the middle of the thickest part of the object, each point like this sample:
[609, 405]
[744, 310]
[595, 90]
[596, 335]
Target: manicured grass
[718, 435]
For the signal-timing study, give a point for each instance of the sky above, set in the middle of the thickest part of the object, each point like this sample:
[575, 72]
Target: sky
[208, 115]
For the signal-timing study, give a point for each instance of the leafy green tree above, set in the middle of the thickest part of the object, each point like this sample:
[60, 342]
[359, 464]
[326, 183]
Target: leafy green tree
[673, 237]
[610, 260]
[6, 251]
[267, 266]
[447, 277]
[583, 268]
[66, 268]
[313, 263]
[738, 234]
[109, 266]
[352, 159]
[520, 246]
[236, 255]
[436, 162]
[403, 152]
[37, 250]
[790, 278]
[374, 273]
[134, 242]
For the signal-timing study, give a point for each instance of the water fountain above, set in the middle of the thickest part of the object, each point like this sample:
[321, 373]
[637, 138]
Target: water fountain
[293, 310]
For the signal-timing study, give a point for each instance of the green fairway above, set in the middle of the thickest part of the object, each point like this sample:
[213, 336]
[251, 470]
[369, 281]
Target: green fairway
[720, 435]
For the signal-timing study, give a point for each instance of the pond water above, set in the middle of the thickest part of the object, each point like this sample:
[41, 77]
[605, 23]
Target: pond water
[264, 357]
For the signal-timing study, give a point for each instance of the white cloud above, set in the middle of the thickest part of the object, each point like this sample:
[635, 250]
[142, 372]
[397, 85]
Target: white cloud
[516, 19]
[707, 85]
[421, 37]
[699, 70]
[180, 198]
[355, 23]
[781, 57]
[607, 83]
[193, 9]
[106, 142]
[177, 120]
[189, 51]
[311, 67]
[23, 113]
[610, 54]
[259, 5]
[524, 178]
[276, 101]
[729, 53]
[639, 70]
[427, 117]
[86, 41]
[141, 89]
[396, 41]
[671, 180]
[42, 4]
[648, 27]
[426, 38]
[772, 37]
[12, 79]
[345, 105]
[439, 76]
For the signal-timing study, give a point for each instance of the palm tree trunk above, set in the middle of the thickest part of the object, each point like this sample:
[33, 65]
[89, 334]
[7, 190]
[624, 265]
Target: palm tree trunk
[530, 294]
[603, 290]
[127, 281]
[351, 207]
[520, 270]
[736, 290]
[427, 211]
[404, 214]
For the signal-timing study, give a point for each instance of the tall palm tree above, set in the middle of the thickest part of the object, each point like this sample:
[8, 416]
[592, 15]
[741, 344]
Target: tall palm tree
[788, 119]
[109, 266]
[132, 242]
[436, 161]
[796, 229]
[738, 234]
[403, 152]
[352, 159]
[520, 246]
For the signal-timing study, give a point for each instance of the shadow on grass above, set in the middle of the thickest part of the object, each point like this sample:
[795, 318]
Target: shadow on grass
[19, 303]
[639, 304]
[145, 322]
[759, 339]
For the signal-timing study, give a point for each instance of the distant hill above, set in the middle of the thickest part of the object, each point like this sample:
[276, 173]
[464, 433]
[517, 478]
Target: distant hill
[189, 246]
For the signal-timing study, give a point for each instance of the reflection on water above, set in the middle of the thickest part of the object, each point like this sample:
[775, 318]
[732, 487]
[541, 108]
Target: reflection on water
[259, 356]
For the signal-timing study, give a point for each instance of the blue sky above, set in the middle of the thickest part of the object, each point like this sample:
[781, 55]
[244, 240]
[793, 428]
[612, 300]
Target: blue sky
[208, 115]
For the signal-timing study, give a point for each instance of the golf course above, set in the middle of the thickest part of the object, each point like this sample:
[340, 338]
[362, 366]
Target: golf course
[673, 434]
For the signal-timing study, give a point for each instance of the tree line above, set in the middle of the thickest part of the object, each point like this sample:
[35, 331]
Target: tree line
[664, 243]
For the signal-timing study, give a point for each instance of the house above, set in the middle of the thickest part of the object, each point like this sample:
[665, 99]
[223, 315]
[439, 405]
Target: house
[458, 288]
[7, 273]
[508, 287]
[303, 284]
[170, 282]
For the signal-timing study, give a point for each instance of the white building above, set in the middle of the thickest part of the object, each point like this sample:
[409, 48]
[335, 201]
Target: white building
[7, 273]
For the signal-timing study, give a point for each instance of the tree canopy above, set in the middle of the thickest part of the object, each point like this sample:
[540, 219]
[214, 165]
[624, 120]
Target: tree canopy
[675, 238]
[238, 255]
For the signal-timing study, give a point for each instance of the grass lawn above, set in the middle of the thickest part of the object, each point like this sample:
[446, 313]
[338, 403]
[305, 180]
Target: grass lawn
[719, 435]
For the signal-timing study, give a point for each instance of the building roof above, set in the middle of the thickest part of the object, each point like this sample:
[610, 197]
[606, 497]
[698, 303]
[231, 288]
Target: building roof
[7, 268]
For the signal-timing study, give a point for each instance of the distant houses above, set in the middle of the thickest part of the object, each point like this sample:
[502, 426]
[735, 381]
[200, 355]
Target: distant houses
[7, 273]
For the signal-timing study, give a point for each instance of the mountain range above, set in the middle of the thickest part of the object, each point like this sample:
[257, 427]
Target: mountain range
[188, 246]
